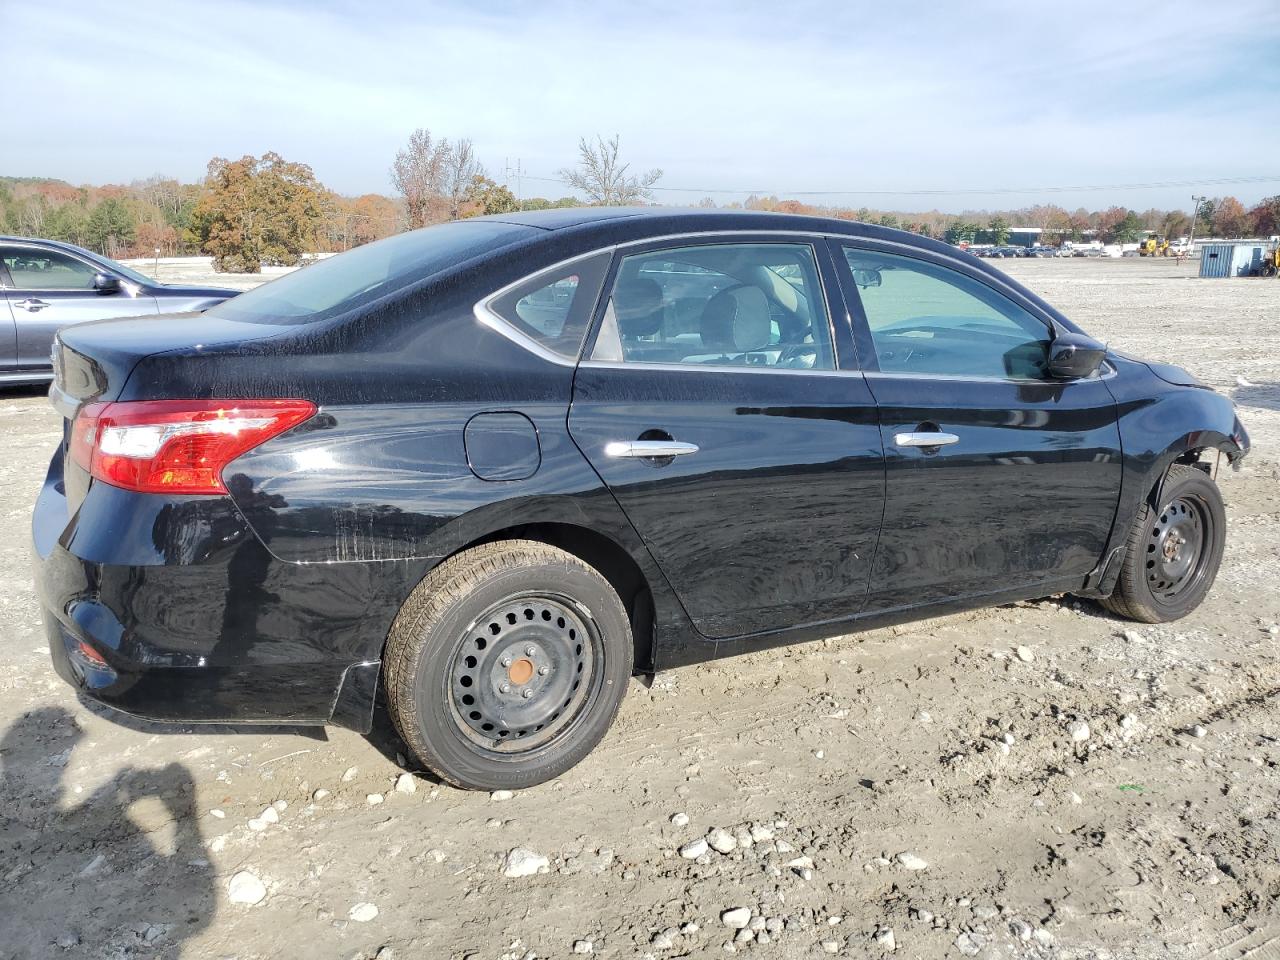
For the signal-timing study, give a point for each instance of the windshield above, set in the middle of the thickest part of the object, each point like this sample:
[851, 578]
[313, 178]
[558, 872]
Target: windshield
[338, 284]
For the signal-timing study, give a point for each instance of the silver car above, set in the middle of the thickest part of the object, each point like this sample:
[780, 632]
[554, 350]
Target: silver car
[46, 285]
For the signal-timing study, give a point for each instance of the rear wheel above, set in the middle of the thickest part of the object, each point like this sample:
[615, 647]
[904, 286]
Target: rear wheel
[507, 664]
[1173, 553]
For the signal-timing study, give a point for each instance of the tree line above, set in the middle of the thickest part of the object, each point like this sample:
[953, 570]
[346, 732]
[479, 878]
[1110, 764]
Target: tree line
[266, 210]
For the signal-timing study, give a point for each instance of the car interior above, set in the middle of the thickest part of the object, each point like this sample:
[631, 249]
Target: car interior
[927, 319]
[727, 304]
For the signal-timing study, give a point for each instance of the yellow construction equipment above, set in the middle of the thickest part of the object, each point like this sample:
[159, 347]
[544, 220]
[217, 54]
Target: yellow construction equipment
[1154, 247]
[1271, 263]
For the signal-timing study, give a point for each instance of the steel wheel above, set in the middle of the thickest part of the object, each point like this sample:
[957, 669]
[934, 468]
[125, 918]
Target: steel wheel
[1175, 550]
[1172, 554]
[507, 663]
[523, 672]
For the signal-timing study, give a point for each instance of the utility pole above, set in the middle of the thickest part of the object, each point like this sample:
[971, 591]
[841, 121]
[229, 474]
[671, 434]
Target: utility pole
[518, 172]
[1195, 215]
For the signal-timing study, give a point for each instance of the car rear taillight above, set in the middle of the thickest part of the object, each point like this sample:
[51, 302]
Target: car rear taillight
[176, 446]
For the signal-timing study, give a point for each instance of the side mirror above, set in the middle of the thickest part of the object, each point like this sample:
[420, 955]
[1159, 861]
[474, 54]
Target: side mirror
[105, 283]
[1073, 356]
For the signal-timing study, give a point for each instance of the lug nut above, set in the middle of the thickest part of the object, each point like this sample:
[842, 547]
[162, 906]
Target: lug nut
[506, 661]
[527, 693]
[543, 671]
[530, 650]
[505, 688]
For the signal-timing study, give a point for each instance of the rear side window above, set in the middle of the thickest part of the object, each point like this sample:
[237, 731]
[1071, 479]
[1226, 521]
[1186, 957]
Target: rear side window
[719, 305]
[553, 308]
[33, 269]
[350, 280]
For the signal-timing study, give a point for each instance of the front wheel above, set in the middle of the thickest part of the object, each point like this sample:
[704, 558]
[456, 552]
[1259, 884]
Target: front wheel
[507, 664]
[1173, 553]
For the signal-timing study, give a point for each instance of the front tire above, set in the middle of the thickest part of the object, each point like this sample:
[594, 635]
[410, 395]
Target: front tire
[506, 665]
[1173, 553]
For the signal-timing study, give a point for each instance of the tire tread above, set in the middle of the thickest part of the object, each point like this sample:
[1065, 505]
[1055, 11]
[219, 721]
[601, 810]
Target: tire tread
[446, 585]
[1127, 599]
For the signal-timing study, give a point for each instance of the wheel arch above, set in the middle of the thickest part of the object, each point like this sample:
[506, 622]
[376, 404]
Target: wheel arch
[1148, 488]
[1189, 449]
[600, 551]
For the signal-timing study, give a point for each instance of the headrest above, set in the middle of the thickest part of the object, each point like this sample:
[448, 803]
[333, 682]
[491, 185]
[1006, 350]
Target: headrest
[637, 305]
[736, 320]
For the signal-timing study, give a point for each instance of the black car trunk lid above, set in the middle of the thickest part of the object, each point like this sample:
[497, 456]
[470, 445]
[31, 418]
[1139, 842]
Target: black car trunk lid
[92, 363]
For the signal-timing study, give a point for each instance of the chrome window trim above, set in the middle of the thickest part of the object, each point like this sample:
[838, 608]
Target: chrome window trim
[641, 365]
[487, 316]
[882, 375]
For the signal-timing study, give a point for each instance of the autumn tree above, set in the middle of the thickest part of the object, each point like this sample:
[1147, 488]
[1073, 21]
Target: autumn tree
[484, 197]
[604, 178]
[1106, 222]
[366, 218]
[1230, 218]
[1127, 230]
[1265, 217]
[258, 211]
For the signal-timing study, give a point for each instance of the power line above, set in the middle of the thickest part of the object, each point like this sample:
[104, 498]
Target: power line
[773, 191]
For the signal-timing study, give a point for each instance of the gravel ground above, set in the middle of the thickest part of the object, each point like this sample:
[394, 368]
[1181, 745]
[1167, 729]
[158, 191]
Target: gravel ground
[1038, 780]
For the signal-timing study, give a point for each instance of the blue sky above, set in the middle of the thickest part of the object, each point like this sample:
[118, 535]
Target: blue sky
[869, 98]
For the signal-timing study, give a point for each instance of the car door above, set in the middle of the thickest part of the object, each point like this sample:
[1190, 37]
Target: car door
[52, 289]
[1020, 489]
[8, 333]
[717, 406]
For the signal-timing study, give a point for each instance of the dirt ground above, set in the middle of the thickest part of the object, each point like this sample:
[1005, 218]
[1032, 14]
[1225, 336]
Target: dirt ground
[928, 790]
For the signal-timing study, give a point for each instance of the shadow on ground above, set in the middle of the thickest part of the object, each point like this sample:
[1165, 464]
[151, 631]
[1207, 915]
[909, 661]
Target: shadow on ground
[1264, 395]
[119, 872]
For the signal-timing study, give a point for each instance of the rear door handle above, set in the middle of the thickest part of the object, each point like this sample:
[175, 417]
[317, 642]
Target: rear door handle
[649, 448]
[31, 304]
[926, 438]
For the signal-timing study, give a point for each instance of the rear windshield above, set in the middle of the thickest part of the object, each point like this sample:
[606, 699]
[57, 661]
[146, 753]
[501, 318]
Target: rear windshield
[339, 284]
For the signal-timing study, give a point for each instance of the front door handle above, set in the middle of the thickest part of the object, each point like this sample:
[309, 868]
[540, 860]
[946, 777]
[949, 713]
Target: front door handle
[31, 304]
[925, 438]
[649, 448]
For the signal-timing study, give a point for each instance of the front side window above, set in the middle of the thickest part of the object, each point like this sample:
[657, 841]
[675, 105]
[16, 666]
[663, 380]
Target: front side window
[929, 319]
[731, 304]
[33, 269]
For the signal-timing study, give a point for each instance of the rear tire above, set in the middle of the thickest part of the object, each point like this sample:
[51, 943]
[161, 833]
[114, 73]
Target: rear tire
[507, 664]
[1173, 553]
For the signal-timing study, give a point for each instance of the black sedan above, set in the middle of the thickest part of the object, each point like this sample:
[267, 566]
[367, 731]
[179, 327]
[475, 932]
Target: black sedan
[499, 466]
[46, 285]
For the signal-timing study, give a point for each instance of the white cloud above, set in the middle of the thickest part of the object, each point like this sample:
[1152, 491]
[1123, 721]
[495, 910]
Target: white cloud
[784, 97]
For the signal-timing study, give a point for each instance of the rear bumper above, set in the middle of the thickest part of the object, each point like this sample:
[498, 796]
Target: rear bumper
[172, 609]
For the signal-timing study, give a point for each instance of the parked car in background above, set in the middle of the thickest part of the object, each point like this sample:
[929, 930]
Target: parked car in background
[496, 467]
[46, 285]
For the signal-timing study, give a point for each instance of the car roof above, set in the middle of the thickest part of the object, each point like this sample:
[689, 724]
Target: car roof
[644, 220]
[56, 244]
